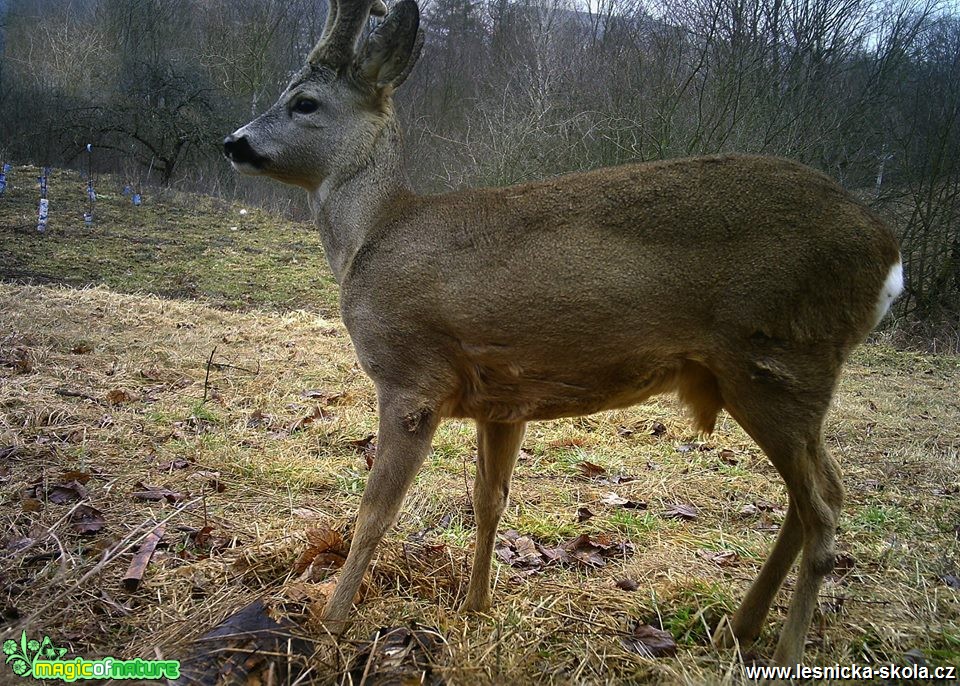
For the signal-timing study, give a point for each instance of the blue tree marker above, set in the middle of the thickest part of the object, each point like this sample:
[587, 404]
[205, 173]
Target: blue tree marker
[91, 193]
[44, 207]
[42, 211]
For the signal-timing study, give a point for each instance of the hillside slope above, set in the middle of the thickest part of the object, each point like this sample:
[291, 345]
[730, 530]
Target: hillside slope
[240, 419]
[175, 244]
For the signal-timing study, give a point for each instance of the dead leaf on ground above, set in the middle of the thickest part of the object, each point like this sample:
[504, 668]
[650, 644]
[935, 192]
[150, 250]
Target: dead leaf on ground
[721, 558]
[142, 491]
[681, 511]
[31, 505]
[211, 480]
[259, 420]
[119, 396]
[247, 647]
[325, 397]
[73, 475]
[398, 655]
[177, 463]
[326, 551]
[591, 470]
[367, 446]
[729, 457]
[951, 580]
[844, 564]
[522, 552]
[317, 414]
[87, 520]
[614, 500]
[56, 493]
[593, 551]
[650, 642]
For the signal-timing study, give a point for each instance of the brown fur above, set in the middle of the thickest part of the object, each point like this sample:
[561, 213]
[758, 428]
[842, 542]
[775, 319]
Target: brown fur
[740, 282]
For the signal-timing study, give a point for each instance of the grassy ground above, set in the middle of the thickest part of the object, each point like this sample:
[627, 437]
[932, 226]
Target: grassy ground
[105, 387]
[176, 245]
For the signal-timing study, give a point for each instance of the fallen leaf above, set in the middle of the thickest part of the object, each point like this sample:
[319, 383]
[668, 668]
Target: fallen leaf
[527, 553]
[950, 580]
[177, 463]
[326, 551]
[398, 655]
[749, 510]
[31, 505]
[729, 457]
[593, 550]
[142, 491]
[259, 420]
[325, 397]
[366, 446]
[591, 470]
[614, 500]
[650, 642]
[61, 494]
[246, 647]
[118, 396]
[844, 564]
[681, 511]
[79, 477]
[87, 520]
[210, 480]
[318, 413]
[721, 558]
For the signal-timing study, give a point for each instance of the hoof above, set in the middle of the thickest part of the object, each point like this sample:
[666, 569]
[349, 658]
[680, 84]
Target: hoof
[723, 636]
[473, 606]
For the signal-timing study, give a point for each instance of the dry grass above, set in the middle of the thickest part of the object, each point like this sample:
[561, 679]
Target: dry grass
[896, 429]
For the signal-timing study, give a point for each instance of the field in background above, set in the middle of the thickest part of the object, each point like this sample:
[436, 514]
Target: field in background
[233, 410]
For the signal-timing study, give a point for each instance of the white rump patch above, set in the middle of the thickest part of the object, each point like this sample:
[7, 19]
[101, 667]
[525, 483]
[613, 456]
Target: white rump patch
[892, 288]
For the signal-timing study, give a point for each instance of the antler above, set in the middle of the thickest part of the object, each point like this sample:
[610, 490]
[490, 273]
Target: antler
[345, 19]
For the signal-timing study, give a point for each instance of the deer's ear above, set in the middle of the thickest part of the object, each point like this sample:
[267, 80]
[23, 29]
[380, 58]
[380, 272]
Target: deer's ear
[390, 52]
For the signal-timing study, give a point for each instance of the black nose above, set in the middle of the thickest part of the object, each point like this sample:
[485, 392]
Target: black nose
[238, 149]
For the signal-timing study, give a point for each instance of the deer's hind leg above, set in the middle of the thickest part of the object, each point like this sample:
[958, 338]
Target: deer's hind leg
[498, 445]
[786, 421]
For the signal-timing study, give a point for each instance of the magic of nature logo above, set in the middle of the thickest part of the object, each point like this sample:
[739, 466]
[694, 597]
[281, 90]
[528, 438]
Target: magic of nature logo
[43, 660]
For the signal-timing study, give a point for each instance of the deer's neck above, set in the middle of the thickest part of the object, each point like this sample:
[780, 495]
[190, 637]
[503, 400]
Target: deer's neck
[349, 204]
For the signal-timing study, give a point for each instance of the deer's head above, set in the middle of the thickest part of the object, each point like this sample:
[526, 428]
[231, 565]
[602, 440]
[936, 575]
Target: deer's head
[329, 118]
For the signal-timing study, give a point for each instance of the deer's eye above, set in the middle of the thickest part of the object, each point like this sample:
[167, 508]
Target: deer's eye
[305, 106]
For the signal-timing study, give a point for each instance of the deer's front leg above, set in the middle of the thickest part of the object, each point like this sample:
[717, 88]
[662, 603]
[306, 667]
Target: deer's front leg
[402, 445]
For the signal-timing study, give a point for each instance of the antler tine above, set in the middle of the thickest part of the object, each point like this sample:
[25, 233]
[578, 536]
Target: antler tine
[345, 20]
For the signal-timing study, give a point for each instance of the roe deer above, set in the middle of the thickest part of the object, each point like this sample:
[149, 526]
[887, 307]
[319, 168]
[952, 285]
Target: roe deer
[741, 282]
